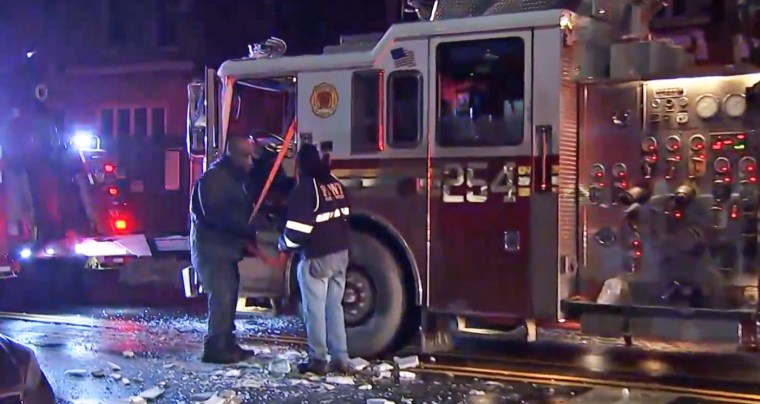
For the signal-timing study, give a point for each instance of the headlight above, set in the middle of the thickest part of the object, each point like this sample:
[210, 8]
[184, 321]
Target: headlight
[85, 140]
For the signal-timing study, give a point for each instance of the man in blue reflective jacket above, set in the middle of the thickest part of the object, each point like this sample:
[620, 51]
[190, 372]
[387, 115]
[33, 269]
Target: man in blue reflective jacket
[317, 227]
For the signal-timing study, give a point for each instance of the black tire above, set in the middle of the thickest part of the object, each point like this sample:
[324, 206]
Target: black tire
[378, 333]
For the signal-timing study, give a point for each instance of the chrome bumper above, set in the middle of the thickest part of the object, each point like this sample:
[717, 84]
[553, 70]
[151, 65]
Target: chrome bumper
[191, 282]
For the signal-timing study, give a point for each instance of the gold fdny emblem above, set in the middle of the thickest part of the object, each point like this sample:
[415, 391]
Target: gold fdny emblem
[324, 100]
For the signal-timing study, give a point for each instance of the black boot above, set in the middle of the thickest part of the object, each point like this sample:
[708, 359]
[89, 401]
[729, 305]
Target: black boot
[318, 367]
[244, 354]
[218, 350]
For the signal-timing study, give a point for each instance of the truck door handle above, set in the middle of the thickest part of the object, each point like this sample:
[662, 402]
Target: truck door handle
[544, 139]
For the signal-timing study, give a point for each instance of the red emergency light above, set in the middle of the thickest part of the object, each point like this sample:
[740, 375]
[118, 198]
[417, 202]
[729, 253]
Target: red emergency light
[120, 224]
[109, 168]
[113, 191]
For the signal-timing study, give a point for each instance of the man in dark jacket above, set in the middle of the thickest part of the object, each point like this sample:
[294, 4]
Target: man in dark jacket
[317, 227]
[220, 208]
[21, 379]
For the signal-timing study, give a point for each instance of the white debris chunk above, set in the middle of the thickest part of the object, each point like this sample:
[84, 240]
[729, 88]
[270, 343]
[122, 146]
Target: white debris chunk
[345, 380]
[152, 393]
[233, 373]
[114, 367]
[116, 376]
[98, 373]
[137, 400]
[358, 363]
[477, 393]
[126, 381]
[383, 367]
[385, 374]
[279, 365]
[224, 397]
[404, 375]
[365, 387]
[76, 372]
[168, 366]
[379, 401]
[407, 362]
[128, 354]
[329, 387]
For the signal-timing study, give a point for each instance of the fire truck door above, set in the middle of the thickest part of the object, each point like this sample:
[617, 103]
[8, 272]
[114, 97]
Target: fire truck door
[479, 219]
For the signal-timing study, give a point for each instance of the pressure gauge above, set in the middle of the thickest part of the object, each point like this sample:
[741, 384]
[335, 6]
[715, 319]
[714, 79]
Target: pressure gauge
[649, 145]
[722, 165]
[707, 106]
[747, 165]
[673, 143]
[697, 143]
[597, 171]
[619, 170]
[734, 105]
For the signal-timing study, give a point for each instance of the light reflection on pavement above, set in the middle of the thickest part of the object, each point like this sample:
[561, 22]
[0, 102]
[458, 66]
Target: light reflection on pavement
[167, 346]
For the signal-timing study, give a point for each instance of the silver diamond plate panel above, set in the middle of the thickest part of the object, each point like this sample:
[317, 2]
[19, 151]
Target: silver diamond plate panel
[448, 9]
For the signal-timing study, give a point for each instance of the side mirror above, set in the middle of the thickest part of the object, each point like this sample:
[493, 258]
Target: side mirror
[196, 119]
[273, 143]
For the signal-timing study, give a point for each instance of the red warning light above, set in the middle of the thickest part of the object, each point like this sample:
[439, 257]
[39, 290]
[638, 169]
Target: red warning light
[734, 212]
[727, 180]
[636, 243]
[741, 136]
[753, 179]
[624, 184]
[751, 168]
[113, 191]
[677, 214]
[637, 254]
[109, 168]
[120, 224]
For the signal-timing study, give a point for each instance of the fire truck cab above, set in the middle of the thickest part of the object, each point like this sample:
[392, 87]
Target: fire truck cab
[494, 158]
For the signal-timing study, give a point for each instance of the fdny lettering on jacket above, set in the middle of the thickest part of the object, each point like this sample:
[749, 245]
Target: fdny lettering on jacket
[317, 217]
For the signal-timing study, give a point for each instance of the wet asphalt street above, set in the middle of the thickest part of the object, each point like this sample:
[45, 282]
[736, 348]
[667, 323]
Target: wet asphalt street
[108, 355]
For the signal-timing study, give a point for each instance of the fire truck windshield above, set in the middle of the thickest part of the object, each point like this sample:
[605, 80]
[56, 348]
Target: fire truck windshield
[481, 92]
[262, 107]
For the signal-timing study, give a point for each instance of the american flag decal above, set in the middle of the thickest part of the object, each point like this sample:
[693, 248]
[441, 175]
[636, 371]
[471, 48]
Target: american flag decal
[403, 58]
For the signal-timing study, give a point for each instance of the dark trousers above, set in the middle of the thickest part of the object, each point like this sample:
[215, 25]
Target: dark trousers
[220, 279]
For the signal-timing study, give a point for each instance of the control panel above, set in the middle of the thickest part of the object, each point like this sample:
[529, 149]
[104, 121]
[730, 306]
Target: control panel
[684, 206]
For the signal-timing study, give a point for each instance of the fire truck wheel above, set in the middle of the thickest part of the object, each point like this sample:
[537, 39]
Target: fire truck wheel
[375, 298]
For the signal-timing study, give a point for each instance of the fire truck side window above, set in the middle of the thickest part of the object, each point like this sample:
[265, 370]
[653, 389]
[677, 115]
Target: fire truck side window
[365, 111]
[481, 86]
[404, 108]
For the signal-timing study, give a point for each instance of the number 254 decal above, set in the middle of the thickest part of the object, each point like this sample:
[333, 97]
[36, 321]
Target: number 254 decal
[477, 188]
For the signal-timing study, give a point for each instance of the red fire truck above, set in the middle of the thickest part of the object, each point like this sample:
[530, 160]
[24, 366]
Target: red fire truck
[514, 163]
[61, 195]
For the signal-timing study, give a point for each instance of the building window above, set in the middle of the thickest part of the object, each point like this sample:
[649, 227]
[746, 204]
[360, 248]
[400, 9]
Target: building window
[118, 22]
[158, 123]
[404, 108]
[123, 122]
[141, 122]
[106, 123]
[481, 90]
[366, 111]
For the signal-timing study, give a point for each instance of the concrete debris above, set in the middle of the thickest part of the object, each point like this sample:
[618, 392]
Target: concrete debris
[293, 356]
[358, 363]
[383, 367]
[168, 366]
[249, 384]
[233, 373]
[407, 362]
[385, 374]
[344, 380]
[126, 381]
[365, 387]
[280, 365]
[114, 367]
[379, 401]
[98, 373]
[625, 393]
[404, 375]
[76, 372]
[152, 393]
[224, 397]
[477, 393]
[328, 387]
[406, 401]
[116, 376]
[128, 354]
[137, 400]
